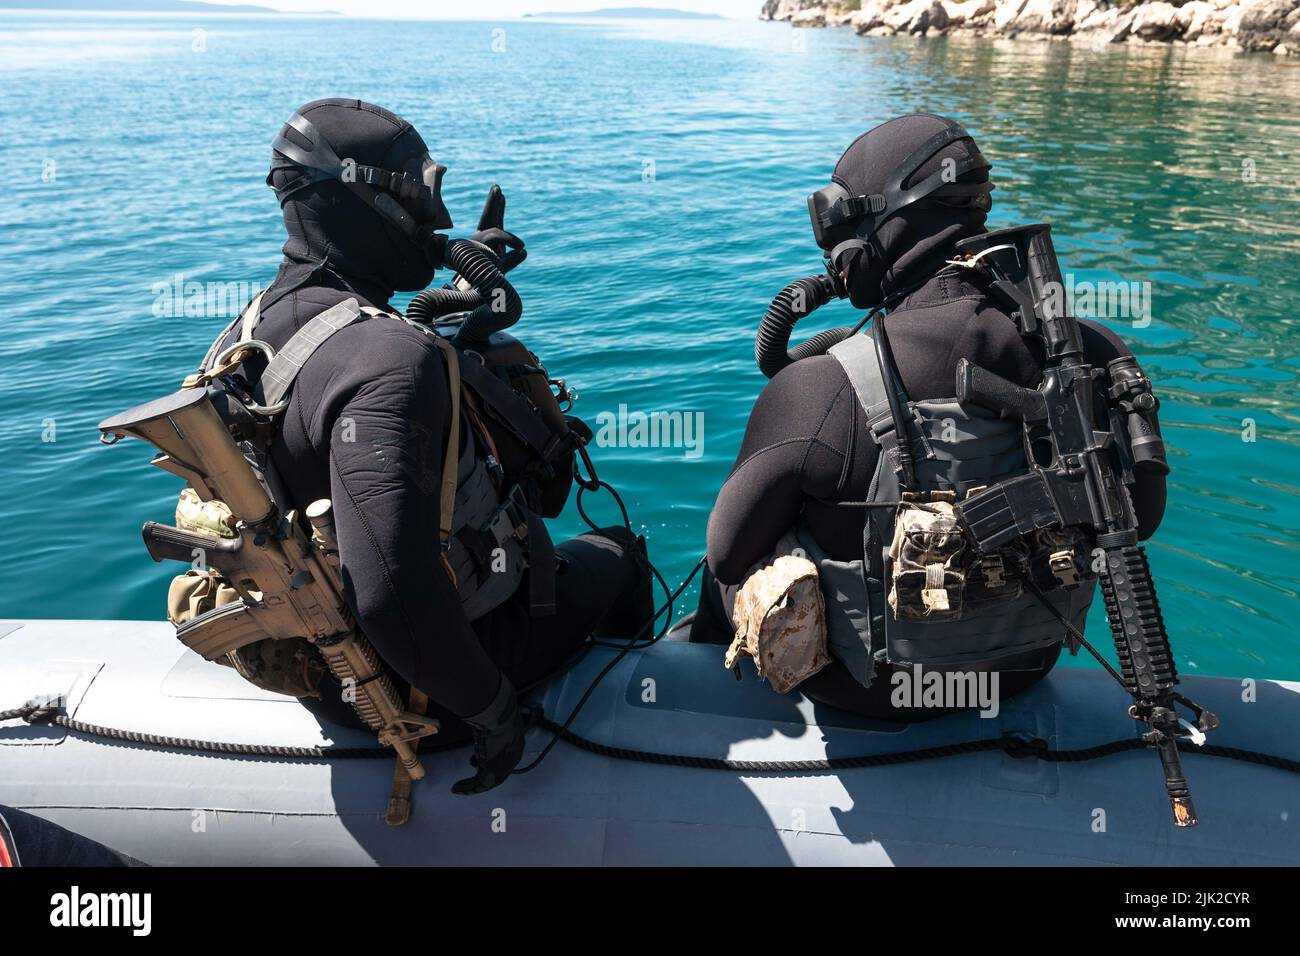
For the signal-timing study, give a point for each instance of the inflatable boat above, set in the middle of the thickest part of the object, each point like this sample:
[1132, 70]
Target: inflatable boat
[941, 804]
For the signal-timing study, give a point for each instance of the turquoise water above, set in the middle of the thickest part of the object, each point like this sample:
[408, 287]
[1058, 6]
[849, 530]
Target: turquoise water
[658, 173]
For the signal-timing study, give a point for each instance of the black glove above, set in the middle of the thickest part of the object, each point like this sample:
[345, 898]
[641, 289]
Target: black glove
[506, 246]
[499, 731]
[497, 239]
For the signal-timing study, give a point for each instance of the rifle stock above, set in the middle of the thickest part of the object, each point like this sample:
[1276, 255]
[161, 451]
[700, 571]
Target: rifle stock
[289, 582]
[195, 445]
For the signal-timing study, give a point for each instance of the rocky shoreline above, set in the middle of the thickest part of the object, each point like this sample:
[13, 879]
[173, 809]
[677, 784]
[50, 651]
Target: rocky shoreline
[1248, 25]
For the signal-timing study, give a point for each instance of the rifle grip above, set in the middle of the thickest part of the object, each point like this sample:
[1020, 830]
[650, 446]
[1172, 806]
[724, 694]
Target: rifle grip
[176, 544]
[979, 386]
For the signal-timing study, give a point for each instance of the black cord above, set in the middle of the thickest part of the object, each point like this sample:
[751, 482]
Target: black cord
[1011, 744]
[1075, 634]
[595, 483]
[559, 729]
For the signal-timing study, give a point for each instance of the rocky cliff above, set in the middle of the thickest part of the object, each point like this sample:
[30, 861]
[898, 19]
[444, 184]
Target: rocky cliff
[1251, 25]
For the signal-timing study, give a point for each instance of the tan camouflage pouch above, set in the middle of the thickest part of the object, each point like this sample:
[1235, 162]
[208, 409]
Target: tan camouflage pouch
[204, 517]
[780, 619]
[196, 592]
[927, 558]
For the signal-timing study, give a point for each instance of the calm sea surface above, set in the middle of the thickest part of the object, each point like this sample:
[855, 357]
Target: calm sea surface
[658, 173]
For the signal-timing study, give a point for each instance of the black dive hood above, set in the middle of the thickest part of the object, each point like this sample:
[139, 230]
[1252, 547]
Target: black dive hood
[872, 187]
[843, 223]
[412, 204]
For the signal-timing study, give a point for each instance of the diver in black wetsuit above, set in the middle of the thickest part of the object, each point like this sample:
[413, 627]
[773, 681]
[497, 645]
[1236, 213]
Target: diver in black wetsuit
[807, 444]
[367, 425]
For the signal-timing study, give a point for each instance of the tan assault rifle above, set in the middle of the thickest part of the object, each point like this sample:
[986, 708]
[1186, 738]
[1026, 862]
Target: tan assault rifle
[288, 582]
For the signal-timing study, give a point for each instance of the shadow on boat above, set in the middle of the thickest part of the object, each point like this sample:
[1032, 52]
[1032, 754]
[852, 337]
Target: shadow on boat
[582, 808]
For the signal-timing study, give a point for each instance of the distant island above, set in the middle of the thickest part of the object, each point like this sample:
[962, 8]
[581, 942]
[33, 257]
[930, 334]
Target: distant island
[631, 13]
[149, 6]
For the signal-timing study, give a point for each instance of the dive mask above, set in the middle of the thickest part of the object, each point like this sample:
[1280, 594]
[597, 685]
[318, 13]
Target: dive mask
[432, 211]
[410, 199]
[835, 214]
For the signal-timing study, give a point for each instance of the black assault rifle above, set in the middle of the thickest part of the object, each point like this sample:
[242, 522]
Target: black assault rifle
[1079, 476]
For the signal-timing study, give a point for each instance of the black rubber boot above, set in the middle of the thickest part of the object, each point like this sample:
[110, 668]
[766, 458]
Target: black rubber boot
[498, 741]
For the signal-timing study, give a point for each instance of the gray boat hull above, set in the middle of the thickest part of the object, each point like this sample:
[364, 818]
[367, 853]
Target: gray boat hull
[175, 807]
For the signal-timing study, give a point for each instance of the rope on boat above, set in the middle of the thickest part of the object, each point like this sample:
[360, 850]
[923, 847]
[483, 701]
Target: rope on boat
[1011, 744]
[42, 714]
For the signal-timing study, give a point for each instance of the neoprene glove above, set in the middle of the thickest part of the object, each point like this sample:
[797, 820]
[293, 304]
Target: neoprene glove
[499, 731]
[506, 246]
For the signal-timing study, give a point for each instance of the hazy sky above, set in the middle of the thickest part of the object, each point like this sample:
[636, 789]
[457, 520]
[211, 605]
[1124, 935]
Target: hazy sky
[488, 9]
